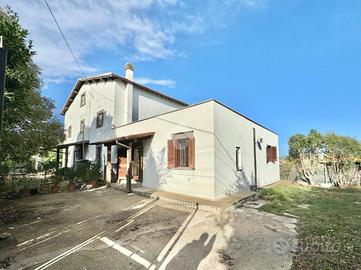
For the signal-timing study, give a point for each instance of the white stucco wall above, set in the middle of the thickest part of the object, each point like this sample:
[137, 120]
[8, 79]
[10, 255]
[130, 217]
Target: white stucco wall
[232, 130]
[147, 105]
[198, 182]
[108, 96]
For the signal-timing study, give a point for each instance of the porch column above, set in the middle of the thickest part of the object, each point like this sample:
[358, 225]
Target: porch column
[129, 169]
[108, 172]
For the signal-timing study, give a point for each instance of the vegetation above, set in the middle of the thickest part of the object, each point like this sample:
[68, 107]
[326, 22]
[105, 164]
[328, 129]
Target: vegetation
[329, 224]
[29, 126]
[333, 156]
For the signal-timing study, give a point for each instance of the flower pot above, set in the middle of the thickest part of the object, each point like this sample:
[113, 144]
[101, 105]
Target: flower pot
[93, 183]
[71, 186]
[55, 188]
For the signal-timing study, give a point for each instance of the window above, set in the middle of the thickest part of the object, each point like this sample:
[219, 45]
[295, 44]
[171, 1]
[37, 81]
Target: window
[181, 158]
[82, 100]
[181, 152]
[69, 131]
[100, 119]
[238, 159]
[271, 152]
[82, 126]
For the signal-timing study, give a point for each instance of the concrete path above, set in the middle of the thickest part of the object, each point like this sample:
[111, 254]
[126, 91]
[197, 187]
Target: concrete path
[108, 229]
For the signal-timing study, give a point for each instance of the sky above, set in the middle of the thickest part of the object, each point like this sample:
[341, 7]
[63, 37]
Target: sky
[291, 65]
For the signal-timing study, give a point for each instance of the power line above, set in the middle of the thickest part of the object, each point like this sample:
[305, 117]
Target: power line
[76, 60]
[62, 34]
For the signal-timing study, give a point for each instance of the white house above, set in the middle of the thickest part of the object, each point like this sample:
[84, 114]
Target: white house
[205, 150]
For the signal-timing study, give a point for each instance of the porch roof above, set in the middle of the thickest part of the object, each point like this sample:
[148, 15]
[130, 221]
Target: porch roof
[73, 143]
[126, 138]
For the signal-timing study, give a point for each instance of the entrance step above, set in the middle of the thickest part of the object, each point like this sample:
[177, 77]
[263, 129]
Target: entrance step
[228, 203]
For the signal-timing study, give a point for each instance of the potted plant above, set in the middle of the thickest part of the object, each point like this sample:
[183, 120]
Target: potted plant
[94, 174]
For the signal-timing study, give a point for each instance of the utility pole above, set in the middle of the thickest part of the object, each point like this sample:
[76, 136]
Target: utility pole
[3, 54]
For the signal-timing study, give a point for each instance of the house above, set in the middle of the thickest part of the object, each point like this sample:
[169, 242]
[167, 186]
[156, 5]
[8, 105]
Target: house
[206, 150]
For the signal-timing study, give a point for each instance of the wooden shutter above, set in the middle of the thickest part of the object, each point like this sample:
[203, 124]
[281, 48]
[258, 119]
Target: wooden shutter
[171, 159]
[191, 152]
[274, 154]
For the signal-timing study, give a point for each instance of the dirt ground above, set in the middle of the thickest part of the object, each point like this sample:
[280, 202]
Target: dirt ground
[108, 229]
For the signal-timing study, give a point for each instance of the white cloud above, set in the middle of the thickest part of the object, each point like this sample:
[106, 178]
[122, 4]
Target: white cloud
[133, 30]
[165, 82]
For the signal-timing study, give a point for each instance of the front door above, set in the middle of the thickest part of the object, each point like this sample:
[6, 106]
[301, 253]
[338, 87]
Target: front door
[122, 163]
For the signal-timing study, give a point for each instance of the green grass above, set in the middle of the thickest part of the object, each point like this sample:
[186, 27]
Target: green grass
[329, 230]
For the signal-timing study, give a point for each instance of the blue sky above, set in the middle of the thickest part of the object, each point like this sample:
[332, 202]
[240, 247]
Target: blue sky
[291, 65]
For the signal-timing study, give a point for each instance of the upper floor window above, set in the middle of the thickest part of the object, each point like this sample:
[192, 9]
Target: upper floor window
[100, 119]
[69, 132]
[82, 100]
[271, 153]
[82, 126]
[181, 151]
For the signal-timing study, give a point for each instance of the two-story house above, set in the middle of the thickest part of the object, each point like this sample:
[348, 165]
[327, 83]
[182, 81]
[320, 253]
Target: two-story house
[206, 150]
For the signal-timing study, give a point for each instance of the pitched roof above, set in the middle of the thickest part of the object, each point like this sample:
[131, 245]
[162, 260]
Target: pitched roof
[111, 76]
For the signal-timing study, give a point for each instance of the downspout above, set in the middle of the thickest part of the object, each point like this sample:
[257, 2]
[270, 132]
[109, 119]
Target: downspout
[255, 159]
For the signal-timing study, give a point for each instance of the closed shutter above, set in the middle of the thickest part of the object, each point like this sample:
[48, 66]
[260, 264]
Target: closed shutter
[171, 159]
[274, 154]
[191, 149]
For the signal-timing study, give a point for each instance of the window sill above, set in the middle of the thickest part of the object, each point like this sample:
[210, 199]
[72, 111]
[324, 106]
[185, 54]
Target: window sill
[182, 168]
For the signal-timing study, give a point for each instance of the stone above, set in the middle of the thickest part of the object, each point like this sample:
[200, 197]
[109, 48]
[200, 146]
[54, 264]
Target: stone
[4, 235]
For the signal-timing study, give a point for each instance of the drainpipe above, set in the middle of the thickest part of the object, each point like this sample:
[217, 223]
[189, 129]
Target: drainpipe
[255, 159]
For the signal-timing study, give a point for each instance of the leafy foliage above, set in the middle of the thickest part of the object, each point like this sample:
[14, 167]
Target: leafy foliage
[311, 153]
[29, 126]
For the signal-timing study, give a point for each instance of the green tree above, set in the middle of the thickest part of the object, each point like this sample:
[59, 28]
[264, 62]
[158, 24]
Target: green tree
[29, 126]
[341, 152]
[304, 151]
[311, 153]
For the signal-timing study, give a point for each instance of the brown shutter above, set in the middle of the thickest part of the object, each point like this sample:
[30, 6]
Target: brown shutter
[274, 154]
[191, 149]
[171, 160]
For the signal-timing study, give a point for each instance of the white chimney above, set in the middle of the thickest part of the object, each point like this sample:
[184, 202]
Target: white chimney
[129, 71]
[128, 106]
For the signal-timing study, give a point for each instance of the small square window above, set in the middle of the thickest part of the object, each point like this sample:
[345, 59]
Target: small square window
[82, 126]
[100, 119]
[271, 153]
[82, 100]
[69, 132]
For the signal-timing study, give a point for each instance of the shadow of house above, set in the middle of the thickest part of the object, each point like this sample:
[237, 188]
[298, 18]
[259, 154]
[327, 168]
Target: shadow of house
[190, 256]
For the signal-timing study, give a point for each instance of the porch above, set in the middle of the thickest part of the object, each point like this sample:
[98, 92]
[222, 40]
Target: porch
[129, 158]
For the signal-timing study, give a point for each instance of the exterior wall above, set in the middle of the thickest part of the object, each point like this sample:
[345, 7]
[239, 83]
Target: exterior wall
[99, 97]
[147, 105]
[110, 97]
[198, 182]
[232, 130]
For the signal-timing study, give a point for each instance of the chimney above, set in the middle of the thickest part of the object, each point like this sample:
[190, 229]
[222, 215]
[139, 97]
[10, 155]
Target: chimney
[129, 71]
[128, 101]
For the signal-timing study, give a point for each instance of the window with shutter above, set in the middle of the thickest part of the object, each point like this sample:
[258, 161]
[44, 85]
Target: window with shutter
[271, 153]
[181, 151]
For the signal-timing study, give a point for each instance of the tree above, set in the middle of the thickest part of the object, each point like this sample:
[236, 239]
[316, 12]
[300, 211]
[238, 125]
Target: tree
[341, 153]
[305, 151]
[29, 126]
[311, 153]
